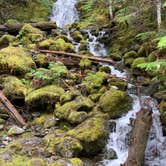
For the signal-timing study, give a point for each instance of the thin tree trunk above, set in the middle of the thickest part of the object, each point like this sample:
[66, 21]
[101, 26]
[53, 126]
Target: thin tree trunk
[111, 9]
[158, 13]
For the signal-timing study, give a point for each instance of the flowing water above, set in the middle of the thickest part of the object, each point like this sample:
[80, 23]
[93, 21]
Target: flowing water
[65, 13]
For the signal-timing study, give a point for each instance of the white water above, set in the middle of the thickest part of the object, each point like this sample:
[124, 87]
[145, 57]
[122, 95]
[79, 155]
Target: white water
[64, 12]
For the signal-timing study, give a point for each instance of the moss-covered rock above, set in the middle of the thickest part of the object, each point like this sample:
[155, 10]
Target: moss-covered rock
[44, 97]
[74, 111]
[40, 60]
[14, 60]
[5, 40]
[152, 56]
[29, 34]
[77, 36]
[45, 44]
[14, 88]
[85, 63]
[115, 56]
[138, 61]
[36, 162]
[114, 102]
[92, 134]
[130, 54]
[121, 84]
[94, 80]
[144, 50]
[76, 162]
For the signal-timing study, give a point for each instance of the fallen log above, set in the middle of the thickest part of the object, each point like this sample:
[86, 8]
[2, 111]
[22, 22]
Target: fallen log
[139, 138]
[15, 28]
[11, 109]
[75, 55]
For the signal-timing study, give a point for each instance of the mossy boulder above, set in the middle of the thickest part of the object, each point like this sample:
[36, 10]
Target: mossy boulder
[115, 56]
[36, 162]
[121, 84]
[63, 145]
[94, 80]
[153, 56]
[44, 97]
[130, 54]
[45, 44]
[6, 40]
[14, 88]
[29, 34]
[144, 50]
[138, 61]
[40, 60]
[74, 111]
[85, 63]
[77, 36]
[115, 103]
[14, 60]
[92, 134]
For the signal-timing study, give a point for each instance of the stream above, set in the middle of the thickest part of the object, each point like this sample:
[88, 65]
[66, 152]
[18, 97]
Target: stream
[64, 13]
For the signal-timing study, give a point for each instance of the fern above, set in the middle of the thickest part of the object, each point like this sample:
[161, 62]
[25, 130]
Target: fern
[162, 43]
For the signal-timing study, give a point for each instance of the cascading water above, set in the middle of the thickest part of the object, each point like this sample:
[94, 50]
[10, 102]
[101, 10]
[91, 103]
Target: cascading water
[64, 12]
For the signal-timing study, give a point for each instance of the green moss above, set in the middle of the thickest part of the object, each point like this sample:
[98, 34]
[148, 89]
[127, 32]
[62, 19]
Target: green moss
[91, 133]
[40, 60]
[129, 61]
[115, 56]
[74, 111]
[114, 102]
[45, 44]
[138, 61]
[85, 63]
[76, 162]
[46, 96]
[130, 54]
[14, 60]
[6, 40]
[36, 162]
[29, 34]
[144, 50]
[14, 88]
[152, 56]
[77, 36]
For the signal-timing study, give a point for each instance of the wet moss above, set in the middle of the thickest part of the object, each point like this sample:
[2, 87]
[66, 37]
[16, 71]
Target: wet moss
[6, 40]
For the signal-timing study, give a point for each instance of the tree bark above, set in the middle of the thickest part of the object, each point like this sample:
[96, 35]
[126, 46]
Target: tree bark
[46, 26]
[11, 109]
[92, 58]
[111, 9]
[139, 138]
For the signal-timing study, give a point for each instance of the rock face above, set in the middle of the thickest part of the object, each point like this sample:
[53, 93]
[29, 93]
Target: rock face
[14, 60]
[46, 96]
[115, 103]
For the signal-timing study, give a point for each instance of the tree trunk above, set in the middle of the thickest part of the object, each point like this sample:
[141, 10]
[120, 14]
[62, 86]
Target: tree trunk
[139, 138]
[159, 13]
[111, 9]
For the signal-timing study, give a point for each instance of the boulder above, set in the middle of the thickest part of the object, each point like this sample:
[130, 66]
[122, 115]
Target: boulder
[92, 134]
[44, 97]
[115, 103]
[5, 40]
[15, 61]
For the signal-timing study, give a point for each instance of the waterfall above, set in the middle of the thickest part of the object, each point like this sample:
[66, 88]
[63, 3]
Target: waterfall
[64, 12]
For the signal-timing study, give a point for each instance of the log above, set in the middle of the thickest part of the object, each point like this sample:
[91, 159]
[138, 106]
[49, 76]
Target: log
[11, 109]
[75, 55]
[15, 28]
[139, 138]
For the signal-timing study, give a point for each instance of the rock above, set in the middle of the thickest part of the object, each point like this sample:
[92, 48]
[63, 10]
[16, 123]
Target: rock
[110, 154]
[14, 88]
[15, 130]
[115, 103]
[50, 122]
[115, 56]
[44, 97]
[105, 69]
[64, 145]
[92, 134]
[77, 36]
[137, 61]
[5, 40]
[75, 111]
[121, 84]
[37, 162]
[130, 54]
[29, 34]
[163, 115]
[14, 60]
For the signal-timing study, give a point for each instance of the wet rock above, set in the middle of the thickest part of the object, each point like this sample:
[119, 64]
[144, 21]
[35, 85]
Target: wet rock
[92, 134]
[15, 130]
[110, 154]
[115, 102]
[14, 60]
[44, 97]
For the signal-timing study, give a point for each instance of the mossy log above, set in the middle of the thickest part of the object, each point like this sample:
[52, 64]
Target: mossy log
[139, 138]
[15, 28]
